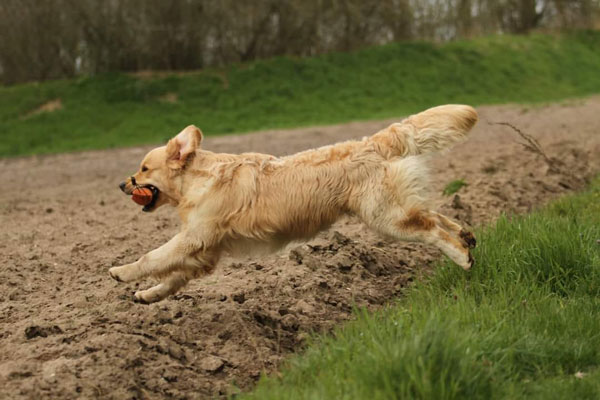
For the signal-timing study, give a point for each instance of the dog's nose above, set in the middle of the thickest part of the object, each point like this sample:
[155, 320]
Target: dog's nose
[122, 185]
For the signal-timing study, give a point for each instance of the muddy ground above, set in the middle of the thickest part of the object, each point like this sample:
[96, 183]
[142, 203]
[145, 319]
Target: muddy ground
[67, 330]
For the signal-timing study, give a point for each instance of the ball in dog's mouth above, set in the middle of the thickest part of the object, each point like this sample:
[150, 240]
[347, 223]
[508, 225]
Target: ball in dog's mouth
[145, 196]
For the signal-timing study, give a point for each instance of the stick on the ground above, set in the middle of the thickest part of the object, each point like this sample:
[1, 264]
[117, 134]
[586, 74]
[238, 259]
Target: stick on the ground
[530, 144]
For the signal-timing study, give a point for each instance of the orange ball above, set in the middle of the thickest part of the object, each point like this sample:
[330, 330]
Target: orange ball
[142, 196]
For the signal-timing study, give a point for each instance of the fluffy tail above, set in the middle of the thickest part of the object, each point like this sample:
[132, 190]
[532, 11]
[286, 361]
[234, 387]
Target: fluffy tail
[431, 130]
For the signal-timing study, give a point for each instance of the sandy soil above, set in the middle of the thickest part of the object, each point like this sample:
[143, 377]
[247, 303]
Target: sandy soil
[67, 330]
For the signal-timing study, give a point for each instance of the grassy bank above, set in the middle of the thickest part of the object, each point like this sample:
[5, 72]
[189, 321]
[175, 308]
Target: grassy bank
[393, 80]
[524, 323]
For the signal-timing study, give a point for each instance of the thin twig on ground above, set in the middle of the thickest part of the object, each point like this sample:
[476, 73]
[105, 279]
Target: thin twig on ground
[531, 144]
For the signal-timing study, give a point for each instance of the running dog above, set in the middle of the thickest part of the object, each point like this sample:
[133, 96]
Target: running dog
[237, 203]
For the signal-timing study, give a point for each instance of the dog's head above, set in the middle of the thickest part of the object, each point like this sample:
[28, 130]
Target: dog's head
[161, 169]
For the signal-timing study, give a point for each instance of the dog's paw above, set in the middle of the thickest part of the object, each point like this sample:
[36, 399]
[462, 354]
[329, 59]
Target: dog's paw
[468, 238]
[113, 272]
[139, 298]
[468, 263]
[147, 296]
[125, 273]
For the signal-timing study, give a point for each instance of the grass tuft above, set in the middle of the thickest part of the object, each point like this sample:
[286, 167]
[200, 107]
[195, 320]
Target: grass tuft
[454, 187]
[524, 323]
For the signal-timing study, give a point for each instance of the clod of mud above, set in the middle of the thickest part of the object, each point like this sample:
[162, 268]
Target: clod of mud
[41, 331]
[463, 212]
[212, 364]
[239, 298]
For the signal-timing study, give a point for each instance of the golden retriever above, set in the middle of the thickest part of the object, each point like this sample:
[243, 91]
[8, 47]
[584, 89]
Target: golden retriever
[235, 203]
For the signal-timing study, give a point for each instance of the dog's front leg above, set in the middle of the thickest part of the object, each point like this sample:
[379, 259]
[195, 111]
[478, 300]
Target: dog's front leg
[157, 262]
[200, 264]
[170, 285]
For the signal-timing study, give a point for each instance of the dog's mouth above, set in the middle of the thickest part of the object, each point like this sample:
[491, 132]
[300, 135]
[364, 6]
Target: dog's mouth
[155, 194]
[144, 195]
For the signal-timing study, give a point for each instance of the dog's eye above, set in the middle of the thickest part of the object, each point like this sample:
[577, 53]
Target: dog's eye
[144, 168]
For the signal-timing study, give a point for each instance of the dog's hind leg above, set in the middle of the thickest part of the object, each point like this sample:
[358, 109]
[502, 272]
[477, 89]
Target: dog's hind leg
[426, 226]
[463, 234]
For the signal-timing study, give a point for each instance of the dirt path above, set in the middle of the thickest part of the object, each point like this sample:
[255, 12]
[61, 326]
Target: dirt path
[68, 330]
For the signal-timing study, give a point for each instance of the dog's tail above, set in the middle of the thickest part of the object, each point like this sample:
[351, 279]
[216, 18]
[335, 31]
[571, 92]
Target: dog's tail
[431, 130]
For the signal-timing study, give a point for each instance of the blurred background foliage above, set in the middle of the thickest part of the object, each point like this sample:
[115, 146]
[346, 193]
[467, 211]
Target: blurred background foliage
[49, 39]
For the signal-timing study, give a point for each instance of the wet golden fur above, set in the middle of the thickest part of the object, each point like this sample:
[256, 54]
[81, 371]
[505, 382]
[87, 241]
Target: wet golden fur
[235, 203]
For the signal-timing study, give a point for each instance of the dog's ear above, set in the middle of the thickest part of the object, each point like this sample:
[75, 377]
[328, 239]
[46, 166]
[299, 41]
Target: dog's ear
[183, 146]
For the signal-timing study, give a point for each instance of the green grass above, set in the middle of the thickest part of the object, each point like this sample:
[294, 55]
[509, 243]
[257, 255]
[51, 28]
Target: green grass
[386, 81]
[454, 186]
[519, 325]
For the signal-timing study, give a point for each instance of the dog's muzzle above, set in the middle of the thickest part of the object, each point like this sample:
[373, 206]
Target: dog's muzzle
[154, 189]
[123, 185]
